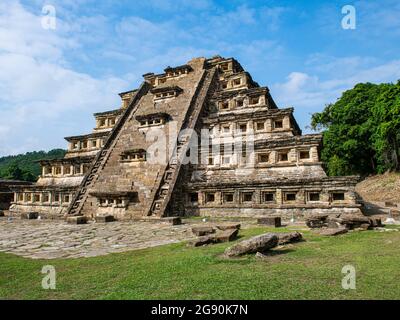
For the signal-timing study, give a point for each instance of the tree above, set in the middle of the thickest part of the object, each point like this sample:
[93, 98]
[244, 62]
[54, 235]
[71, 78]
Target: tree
[14, 172]
[387, 136]
[362, 130]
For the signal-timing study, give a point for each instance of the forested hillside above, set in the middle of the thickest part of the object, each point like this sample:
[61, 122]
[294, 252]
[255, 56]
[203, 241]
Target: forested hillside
[25, 166]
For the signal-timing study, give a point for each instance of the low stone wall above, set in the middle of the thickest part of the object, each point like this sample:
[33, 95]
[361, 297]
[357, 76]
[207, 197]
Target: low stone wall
[45, 212]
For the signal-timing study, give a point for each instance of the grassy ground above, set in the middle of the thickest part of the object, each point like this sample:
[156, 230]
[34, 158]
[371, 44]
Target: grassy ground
[308, 270]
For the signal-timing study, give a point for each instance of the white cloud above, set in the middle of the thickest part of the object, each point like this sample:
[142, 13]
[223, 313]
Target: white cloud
[309, 93]
[38, 90]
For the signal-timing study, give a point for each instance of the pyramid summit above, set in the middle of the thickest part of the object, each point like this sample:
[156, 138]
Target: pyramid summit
[202, 139]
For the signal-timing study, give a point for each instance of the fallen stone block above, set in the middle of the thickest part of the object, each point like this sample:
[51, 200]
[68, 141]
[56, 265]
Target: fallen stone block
[352, 221]
[333, 232]
[259, 243]
[317, 220]
[172, 220]
[202, 231]
[226, 235]
[220, 236]
[77, 220]
[202, 241]
[353, 218]
[390, 204]
[30, 215]
[270, 221]
[105, 219]
[291, 237]
[228, 226]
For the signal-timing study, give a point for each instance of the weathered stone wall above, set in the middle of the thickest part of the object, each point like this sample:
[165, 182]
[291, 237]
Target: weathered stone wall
[45, 211]
[143, 176]
[285, 213]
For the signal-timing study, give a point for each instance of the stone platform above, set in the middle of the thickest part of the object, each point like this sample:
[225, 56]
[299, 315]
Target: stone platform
[49, 239]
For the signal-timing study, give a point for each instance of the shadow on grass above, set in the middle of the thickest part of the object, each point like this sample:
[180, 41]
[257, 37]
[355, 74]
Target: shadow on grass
[277, 252]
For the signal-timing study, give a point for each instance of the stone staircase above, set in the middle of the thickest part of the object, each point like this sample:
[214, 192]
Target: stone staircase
[162, 194]
[78, 201]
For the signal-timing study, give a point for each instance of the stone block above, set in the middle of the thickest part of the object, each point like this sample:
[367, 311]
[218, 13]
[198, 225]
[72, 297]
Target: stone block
[226, 235]
[219, 237]
[30, 215]
[202, 231]
[270, 221]
[317, 220]
[1, 213]
[290, 237]
[105, 219]
[352, 221]
[228, 226]
[172, 220]
[202, 241]
[256, 244]
[77, 220]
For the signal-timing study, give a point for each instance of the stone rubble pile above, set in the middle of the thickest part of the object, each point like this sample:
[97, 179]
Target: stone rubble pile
[335, 225]
[217, 234]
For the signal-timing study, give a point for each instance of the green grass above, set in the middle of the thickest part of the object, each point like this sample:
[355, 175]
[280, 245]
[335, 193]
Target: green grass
[307, 270]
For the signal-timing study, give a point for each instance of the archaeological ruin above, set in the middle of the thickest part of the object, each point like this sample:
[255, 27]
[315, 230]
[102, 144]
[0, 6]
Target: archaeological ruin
[201, 139]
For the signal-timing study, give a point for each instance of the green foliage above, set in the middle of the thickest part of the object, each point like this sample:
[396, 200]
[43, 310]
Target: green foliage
[24, 166]
[362, 133]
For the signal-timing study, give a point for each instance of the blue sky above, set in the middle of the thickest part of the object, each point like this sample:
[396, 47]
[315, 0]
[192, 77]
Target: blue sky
[51, 81]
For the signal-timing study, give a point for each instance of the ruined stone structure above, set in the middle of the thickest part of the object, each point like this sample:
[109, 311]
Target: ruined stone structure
[199, 139]
[6, 192]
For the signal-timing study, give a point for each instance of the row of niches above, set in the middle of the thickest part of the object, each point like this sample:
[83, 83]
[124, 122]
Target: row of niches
[64, 170]
[106, 122]
[138, 155]
[253, 126]
[235, 82]
[115, 202]
[264, 158]
[165, 95]
[269, 197]
[86, 145]
[43, 198]
[238, 103]
[243, 156]
[152, 122]
[170, 74]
